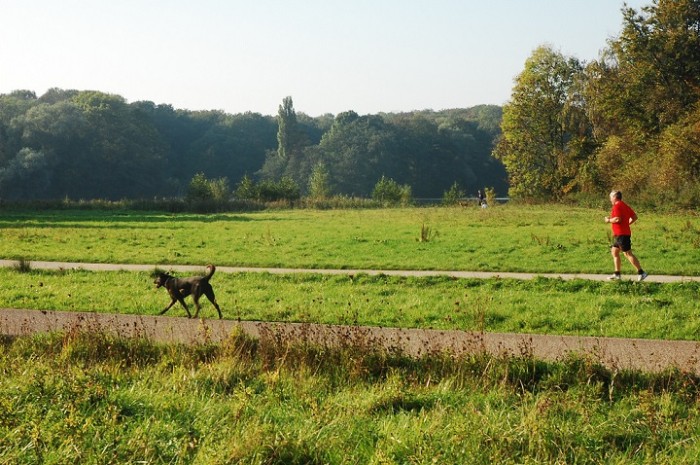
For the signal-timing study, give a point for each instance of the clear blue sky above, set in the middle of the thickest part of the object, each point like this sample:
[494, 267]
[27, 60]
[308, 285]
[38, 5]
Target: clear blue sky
[369, 56]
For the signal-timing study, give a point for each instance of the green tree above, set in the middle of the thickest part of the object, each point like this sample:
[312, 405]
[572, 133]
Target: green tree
[199, 189]
[287, 122]
[355, 149]
[220, 189]
[246, 189]
[546, 137]
[319, 182]
[453, 195]
[27, 175]
[389, 192]
[643, 96]
[284, 189]
[203, 189]
[119, 153]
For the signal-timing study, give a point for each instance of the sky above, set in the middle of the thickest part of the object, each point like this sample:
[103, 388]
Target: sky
[330, 56]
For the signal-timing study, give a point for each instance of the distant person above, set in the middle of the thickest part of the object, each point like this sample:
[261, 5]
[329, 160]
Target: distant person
[482, 199]
[621, 217]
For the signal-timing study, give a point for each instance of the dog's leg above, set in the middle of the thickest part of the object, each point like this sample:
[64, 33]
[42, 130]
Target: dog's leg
[178, 297]
[182, 301]
[196, 305]
[172, 302]
[212, 298]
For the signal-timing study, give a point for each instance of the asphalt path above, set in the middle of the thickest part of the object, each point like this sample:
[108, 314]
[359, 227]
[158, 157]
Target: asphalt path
[614, 353]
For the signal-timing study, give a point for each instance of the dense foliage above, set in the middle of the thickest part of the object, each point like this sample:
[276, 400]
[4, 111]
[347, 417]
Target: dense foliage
[629, 120]
[88, 144]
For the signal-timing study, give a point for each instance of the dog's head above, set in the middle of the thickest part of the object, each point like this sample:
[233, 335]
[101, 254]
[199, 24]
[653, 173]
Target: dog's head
[161, 279]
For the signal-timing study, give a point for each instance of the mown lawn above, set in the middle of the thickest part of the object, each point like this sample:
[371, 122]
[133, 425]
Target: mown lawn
[544, 306]
[505, 238]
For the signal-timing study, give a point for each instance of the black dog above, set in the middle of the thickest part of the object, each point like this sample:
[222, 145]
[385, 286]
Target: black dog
[179, 288]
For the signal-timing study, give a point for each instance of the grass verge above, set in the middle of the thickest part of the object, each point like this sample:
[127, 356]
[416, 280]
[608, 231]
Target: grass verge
[92, 398]
[541, 306]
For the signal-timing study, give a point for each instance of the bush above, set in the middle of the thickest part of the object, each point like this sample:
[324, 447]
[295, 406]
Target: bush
[202, 189]
[490, 196]
[284, 189]
[389, 192]
[246, 189]
[453, 195]
[319, 183]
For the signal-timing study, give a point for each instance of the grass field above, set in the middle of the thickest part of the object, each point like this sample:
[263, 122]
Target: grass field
[544, 306]
[95, 399]
[506, 238]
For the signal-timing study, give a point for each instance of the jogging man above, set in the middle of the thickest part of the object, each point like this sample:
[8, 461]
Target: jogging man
[621, 217]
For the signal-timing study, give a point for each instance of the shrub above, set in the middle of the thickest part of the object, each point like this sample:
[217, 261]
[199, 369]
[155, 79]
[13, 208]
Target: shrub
[490, 196]
[453, 195]
[319, 183]
[203, 189]
[271, 191]
[389, 192]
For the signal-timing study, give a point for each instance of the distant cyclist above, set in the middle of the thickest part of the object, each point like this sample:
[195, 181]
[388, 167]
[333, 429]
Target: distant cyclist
[621, 217]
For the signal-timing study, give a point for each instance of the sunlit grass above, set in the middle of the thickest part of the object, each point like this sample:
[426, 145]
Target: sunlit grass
[507, 238]
[544, 306]
[94, 398]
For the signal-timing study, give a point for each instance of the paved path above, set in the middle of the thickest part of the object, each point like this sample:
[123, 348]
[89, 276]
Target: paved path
[615, 353]
[235, 269]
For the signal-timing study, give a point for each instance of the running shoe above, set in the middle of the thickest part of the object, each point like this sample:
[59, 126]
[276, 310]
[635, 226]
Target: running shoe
[642, 276]
[614, 277]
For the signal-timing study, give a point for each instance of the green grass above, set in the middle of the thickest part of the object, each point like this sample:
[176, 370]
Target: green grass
[95, 399]
[544, 306]
[508, 238]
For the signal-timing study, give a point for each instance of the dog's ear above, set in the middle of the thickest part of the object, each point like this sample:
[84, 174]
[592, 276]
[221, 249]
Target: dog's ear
[157, 272]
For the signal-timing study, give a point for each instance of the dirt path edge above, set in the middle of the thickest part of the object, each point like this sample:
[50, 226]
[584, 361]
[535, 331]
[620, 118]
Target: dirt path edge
[614, 353]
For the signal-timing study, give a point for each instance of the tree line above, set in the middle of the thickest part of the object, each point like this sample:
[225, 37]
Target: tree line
[629, 120]
[93, 145]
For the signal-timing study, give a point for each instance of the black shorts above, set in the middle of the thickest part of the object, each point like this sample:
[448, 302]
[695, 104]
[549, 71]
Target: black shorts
[623, 243]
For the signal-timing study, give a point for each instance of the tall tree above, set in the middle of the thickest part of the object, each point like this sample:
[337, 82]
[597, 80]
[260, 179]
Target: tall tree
[545, 134]
[643, 98]
[288, 130]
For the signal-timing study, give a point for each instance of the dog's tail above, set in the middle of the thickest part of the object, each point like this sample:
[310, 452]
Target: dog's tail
[211, 269]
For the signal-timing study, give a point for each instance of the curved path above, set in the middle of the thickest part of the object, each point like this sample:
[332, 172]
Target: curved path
[614, 353]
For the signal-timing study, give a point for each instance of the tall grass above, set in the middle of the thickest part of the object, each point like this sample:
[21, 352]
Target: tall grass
[93, 398]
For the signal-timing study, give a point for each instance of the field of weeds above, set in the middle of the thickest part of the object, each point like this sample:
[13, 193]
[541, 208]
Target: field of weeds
[93, 398]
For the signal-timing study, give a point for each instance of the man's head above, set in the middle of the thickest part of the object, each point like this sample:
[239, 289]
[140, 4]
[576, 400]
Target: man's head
[615, 196]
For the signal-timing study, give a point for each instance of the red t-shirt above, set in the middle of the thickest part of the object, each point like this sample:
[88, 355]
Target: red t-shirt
[624, 212]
